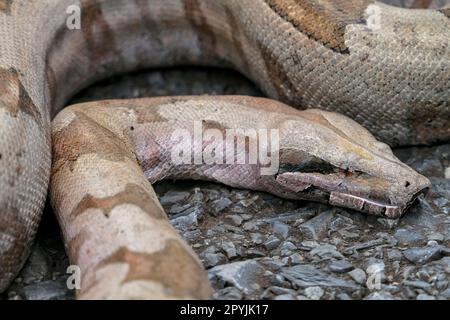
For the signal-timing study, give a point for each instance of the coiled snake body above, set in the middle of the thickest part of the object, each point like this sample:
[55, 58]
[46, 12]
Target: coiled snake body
[386, 68]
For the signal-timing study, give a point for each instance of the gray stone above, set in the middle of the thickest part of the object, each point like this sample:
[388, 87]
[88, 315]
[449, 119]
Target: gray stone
[308, 245]
[285, 297]
[197, 196]
[445, 263]
[186, 221]
[306, 275]
[423, 255]
[273, 264]
[388, 223]
[296, 259]
[172, 197]
[340, 266]
[408, 237]
[343, 296]
[220, 204]
[253, 253]
[394, 254]
[445, 294]
[441, 285]
[417, 284]
[250, 226]
[246, 216]
[314, 293]
[423, 296]
[298, 216]
[230, 249]
[272, 243]
[228, 293]
[177, 208]
[340, 222]
[317, 227]
[242, 275]
[287, 245]
[380, 296]
[248, 201]
[47, 290]
[349, 235]
[358, 275]
[280, 229]
[376, 271]
[37, 267]
[213, 259]
[235, 219]
[238, 209]
[280, 291]
[436, 236]
[257, 238]
[326, 251]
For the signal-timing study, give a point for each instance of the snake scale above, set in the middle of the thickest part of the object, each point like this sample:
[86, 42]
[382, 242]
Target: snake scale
[386, 68]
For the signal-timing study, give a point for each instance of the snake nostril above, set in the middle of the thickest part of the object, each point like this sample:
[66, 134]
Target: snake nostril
[407, 184]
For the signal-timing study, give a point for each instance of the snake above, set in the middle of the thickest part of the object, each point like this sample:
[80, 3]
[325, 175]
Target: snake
[346, 80]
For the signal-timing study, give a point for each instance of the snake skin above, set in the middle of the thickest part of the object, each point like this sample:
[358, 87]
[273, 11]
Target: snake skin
[106, 154]
[392, 78]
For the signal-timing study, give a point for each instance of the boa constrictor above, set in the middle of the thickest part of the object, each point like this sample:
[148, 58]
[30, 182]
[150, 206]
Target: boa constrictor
[387, 68]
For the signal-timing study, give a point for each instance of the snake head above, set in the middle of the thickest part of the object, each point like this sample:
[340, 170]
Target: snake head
[330, 158]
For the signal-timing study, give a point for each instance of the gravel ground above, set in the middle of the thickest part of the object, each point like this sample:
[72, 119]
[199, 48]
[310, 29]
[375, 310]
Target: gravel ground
[257, 246]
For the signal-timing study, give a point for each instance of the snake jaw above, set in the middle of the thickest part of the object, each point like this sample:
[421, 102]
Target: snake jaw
[371, 195]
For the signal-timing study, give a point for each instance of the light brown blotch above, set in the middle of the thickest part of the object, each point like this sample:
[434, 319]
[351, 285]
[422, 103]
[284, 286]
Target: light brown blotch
[14, 97]
[324, 21]
[98, 34]
[445, 12]
[421, 4]
[85, 136]
[133, 195]
[172, 266]
[147, 115]
[237, 41]
[16, 232]
[197, 19]
[320, 119]
[5, 6]
[425, 118]
[280, 80]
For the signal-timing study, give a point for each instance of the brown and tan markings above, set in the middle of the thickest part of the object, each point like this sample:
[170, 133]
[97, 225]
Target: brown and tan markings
[5, 6]
[238, 35]
[133, 195]
[85, 136]
[150, 24]
[424, 119]
[101, 45]
[446, 12]
[421, 4]
[197, 19]
[280, 80]
[323, 21]
[16, 231]
[14, 97]
[174, 264]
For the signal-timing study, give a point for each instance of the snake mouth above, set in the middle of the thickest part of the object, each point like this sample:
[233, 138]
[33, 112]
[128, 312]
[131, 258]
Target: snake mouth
[372, 207]
[363, 193]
